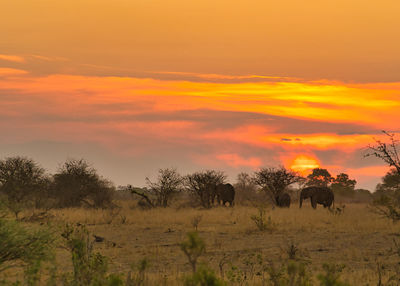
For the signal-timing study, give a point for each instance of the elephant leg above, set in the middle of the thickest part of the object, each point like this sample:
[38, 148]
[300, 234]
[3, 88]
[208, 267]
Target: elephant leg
[313, 202]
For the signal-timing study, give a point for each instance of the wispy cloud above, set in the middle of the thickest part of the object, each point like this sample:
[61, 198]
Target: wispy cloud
[4, 72]
[12, 58]
[228, 125]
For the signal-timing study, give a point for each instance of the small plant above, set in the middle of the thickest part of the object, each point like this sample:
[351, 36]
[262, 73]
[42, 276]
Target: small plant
[195, 221]
[203, 277]
[89, 268]
[193, 248]
[109, 215]
[139, 277]
[261, 222]
[293, 252]
[236, 275]
[331, 275]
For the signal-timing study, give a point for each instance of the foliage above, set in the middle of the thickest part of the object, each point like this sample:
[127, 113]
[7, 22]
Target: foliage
[169, 182]
[245, 189]
[76, 184]
[22, 181]
[387, 196]
[331, 275]
[20, 245]
[274, 181]
[89, 268]
[203, 276]
[343, 185]
[203, 185]
[319, 178]
[138, 278]
[387, 151]
[193, 248]
[262, 223]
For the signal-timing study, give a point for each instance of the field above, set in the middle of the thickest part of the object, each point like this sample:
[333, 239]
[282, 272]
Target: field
[357, 238]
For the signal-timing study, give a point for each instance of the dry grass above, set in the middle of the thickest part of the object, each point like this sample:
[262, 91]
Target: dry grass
[357, 238]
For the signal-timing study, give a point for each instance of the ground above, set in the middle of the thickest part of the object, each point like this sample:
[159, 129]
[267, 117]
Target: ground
[357, 238]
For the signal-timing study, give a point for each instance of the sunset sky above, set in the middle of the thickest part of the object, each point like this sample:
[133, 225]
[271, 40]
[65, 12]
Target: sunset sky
[137, 85]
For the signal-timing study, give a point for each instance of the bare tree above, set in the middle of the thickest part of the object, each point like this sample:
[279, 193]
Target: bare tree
[203, 185]
[274, 181]
[387, 151]
[169, 183]
[387, 204]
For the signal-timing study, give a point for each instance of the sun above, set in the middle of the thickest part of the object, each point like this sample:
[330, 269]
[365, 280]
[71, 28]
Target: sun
[303, 164]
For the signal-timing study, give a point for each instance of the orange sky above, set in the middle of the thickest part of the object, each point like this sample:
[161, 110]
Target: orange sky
[137, 85]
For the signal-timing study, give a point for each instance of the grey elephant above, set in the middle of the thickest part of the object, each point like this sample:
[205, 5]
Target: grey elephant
[225, 193]
[283, 200]
[318, 195]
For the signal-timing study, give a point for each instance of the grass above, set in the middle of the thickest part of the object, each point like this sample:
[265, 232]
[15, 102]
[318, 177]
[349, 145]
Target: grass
[356, 238]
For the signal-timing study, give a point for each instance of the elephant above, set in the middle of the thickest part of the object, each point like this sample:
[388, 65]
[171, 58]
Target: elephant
[318, 195]
[283, 200]
[225, 193]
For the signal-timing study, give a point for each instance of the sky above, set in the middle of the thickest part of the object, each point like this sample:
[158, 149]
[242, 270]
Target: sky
[133, 86]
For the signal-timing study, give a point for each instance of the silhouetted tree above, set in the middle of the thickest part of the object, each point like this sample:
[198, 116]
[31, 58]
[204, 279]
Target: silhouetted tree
[22, 181]
[387, 195]
[386, 151]
[274, 181]
[169, 183]
[342, 185]
[203, 185]
[390, 184]
[77, 183]
[319, 178]
[245, 188]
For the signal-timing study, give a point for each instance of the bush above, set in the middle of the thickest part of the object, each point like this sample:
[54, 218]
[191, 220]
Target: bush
[21, 247]
[261, 222]
[22, 182]
[203, 277]
[77, 184]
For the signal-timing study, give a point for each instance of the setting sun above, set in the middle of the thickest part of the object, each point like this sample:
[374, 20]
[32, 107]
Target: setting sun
[304, 164]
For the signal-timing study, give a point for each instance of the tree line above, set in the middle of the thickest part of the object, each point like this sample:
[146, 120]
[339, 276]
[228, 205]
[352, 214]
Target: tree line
[25, 184]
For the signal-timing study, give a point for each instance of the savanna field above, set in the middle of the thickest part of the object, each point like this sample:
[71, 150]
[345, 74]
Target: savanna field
[235, 248]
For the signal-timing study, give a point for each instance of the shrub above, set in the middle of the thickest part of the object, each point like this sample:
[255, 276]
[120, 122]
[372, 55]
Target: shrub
[331, 275]
[193, 248]
[22, 181]
[76, 184]
[261, 222]
[203, 277]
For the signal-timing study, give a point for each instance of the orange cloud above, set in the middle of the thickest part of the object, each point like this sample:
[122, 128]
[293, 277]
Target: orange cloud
[12, 58]
[11, 72]
[236, 161]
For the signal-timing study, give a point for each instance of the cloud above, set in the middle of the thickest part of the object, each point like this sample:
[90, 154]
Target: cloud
[5, 72]
[12, 58]
[235, 160]
[232, 126]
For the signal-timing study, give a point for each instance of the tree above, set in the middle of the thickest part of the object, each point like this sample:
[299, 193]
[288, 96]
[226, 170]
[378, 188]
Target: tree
[203, 185]
[390, 184]
[245, 188]
[77, 183]
[169, 182]
[319, 178]
[387, 196]
[386, 151]
[21, 181]
[343, 185]
[274, 181]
